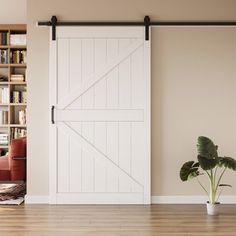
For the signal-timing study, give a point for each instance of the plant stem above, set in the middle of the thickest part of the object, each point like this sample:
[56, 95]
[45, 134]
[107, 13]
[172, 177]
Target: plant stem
[202, 187]
[218, 182]
[219, 195]
[215, 175]
[212, 188]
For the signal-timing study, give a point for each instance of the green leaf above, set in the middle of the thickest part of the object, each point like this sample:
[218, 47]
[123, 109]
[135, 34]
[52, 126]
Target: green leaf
[205, 163]
[206, 148]
[228, 162]
[189, 170]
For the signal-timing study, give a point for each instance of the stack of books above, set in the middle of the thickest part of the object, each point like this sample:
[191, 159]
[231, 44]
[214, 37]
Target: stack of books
[18, 133]
[18, 56]
[3, 56]
[17, 78]
[3, 117]
[18, 39]
[4, 95]
[3, 139]
[3, 38]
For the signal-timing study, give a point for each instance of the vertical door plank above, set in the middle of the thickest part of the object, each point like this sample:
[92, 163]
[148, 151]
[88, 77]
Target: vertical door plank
[75, 167]
[138, 152]
[137, 80]
[124, 155]
[124, 77]
[112, 141]
[87, 58]
[124, 128]
[87, 172]
[112, 78]
[112, 103]
[75, 67]
[100, 60]
[100, 96]
[75, 63]
[87, 127]
[63, 69]
[63, 162]
[100, 176]
[137, 102]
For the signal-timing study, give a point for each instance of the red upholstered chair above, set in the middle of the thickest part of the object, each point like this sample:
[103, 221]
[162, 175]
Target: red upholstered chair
[13, 165]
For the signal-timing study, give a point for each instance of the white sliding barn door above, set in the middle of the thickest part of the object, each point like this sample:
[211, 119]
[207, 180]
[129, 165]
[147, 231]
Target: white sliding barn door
[100, 142]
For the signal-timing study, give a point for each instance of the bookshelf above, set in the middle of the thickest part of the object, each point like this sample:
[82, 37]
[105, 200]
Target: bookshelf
[13, 83]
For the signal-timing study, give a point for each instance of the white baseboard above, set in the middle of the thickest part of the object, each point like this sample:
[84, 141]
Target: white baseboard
[178, 199]
[188, 199]
[36, 199]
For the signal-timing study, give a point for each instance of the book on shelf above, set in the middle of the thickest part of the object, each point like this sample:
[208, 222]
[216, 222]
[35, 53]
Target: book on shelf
[18, 133]
[22, 117]
[3, 117]
[3, 139]
[3, 38]
[18, 56]
[23, 96]
[3, 78]
[4, 95]
[18, 96]
[18, 39]
[17, 77]
[3, 56]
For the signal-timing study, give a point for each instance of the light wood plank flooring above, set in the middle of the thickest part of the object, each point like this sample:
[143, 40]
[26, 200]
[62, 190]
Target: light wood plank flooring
[110, 220]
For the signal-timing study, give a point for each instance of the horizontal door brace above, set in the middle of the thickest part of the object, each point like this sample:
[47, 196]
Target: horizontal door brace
[100, 115]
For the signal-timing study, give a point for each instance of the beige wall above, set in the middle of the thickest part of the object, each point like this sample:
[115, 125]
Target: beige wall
[12, 11]
[193, 83]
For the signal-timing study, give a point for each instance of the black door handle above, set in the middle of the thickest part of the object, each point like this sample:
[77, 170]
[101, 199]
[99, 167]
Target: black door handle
[52, 114]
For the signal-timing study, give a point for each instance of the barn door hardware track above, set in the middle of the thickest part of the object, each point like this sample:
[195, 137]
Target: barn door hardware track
[146, 23]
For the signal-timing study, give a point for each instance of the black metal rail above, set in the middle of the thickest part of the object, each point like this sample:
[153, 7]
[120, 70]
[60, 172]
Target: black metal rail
[146, 23]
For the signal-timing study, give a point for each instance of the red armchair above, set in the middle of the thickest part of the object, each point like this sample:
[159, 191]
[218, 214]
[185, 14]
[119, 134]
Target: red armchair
[13, 166]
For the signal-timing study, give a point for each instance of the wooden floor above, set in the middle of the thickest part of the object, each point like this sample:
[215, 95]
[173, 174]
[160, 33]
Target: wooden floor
[101, 220]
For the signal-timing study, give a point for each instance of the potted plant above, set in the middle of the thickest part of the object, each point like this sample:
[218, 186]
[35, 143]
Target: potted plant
[213, 166]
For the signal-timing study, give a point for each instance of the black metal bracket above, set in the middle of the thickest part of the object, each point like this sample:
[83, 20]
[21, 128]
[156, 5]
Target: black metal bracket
[147, 25]
[54, 24]
[52, 114]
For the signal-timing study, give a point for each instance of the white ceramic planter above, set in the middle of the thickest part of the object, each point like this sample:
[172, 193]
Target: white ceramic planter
[213, 209]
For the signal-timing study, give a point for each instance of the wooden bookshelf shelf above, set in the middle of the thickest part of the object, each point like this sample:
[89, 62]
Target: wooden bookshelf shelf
[4, 65]
[13, 104]
[12, 125]
[4, 46]
[17, 125]
[12, 92]
[17, 46]
[13, 83]
[17, 65]
[18, 104]
[13, 65]
[13, 46]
